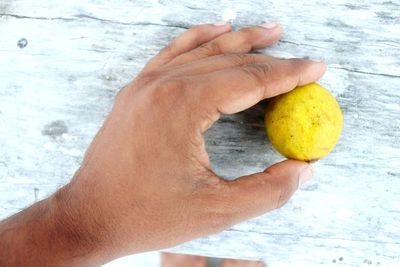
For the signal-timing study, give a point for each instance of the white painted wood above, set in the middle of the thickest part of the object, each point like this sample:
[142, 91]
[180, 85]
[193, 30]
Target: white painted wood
[149, 259]
[55, 92]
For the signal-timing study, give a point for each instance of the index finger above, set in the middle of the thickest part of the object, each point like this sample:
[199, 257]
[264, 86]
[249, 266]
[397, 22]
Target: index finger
[236, 89]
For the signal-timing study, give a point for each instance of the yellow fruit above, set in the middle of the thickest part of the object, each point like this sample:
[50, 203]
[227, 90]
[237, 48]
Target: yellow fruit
[304, 123]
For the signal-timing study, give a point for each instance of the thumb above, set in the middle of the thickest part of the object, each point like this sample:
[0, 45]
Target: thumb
[264, 191]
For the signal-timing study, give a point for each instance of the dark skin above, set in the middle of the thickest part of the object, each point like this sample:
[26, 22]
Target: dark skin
[146, 182]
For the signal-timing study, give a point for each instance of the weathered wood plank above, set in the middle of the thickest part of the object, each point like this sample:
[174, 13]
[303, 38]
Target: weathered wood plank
[55, 92]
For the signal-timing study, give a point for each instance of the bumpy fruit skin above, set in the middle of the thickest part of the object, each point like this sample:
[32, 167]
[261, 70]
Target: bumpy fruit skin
[305, 123]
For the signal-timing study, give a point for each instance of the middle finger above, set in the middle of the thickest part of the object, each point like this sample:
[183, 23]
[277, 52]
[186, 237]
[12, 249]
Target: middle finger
[242, 41]
[216, 63]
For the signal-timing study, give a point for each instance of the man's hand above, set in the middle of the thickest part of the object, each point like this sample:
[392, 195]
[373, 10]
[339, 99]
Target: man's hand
[146, 182]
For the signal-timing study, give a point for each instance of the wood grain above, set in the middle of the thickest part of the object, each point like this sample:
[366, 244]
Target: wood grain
[57, 86]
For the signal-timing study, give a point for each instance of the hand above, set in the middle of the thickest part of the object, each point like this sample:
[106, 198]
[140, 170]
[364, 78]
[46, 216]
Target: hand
[146, 182]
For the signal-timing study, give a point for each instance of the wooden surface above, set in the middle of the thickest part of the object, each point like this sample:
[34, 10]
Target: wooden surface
[58, 84]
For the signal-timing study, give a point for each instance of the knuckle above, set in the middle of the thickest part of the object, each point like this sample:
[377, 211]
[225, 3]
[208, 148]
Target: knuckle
[193, 32]
[282, 198]
[210, 48]
[207, 180]
[169, 48]
[246, 38]
[168, 90]
[260, 73]
[221, 219]
[241, 59]
[197, 29]
[218, 223]
[283, 192]
[263, 70]
[294, 65]
[147, 77]
[217, 206]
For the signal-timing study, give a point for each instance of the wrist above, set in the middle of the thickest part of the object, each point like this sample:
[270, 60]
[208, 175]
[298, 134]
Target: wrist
[25, 237]
[53, 232]
[79, 227]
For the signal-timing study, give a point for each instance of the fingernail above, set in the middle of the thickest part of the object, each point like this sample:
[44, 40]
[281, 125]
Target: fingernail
[319, 60]
[269, 25]
[305, 174]
[220, 23]
[315, 59]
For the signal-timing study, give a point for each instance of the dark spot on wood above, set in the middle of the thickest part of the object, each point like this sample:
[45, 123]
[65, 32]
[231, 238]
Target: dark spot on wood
[36, 193]
[350, 6]
[22, 43]
[226, 119]
[329, 40]
[340, 49]
[390, 3]
[335, 23]
[71, 78]
[238, 150]
[355, 7]
[4, 6]
[386, 16]
[309, 37]
[109, 77]
[310, 187]
[55, 128]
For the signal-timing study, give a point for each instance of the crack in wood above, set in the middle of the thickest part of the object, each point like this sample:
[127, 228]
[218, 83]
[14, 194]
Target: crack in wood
[389, 43]
[367, 72]
[314, 237]
[131, 23]
[38, 18]
[83, 16]
[301, 44]
[3, 163]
